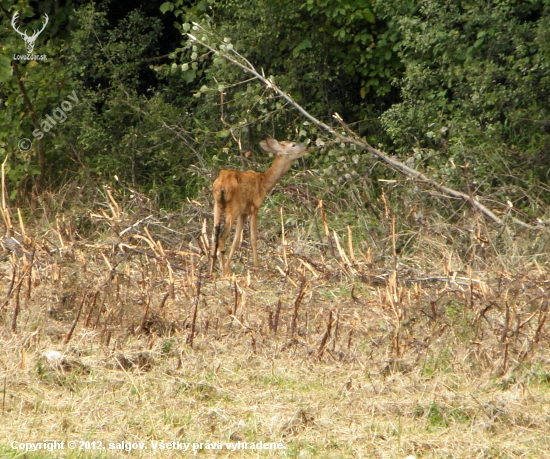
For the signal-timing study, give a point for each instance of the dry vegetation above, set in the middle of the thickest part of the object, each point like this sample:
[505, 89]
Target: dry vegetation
[405, 336]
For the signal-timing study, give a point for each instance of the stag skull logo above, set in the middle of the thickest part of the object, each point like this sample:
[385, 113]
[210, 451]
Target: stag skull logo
[29, 40]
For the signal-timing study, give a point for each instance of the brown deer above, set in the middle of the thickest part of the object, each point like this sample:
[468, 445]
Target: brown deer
[240, 194]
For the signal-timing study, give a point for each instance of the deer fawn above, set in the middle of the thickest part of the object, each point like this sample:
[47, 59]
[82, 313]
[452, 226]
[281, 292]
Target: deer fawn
[240, 195]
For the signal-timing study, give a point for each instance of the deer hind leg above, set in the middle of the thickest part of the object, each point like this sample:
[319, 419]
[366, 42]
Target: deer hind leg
[224, 265]
[254, 236]
[237, 240]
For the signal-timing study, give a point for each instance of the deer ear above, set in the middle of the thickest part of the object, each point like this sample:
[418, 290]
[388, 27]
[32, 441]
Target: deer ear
[271, 145]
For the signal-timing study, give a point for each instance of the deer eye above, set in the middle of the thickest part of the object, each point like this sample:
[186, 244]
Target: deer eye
[293, 144]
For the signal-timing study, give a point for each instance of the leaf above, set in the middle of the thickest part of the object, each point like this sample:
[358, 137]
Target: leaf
[369, 15]
[305, 44]
[203, 6]
[166, 6]
[189, 75]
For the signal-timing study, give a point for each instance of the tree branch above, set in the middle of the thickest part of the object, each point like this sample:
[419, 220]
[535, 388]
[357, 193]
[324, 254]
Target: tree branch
[237, 59]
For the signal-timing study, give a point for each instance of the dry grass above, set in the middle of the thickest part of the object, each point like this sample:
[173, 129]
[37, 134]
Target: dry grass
[417, 339]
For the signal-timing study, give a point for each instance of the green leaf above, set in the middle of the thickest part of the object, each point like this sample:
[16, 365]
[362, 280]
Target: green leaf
[369, 15]
[189, 75]
[305, 44]
[166, 6]
[478, 42]
[203, 6]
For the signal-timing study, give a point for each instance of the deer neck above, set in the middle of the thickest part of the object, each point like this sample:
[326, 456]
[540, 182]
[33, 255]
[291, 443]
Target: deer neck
[274, 174]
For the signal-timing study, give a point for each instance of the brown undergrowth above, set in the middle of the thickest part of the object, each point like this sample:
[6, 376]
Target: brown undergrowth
[417, 338]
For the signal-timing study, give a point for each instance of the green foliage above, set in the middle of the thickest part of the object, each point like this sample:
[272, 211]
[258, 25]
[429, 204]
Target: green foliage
[356, 43]
[45, 82]
[474, 73]
[436, 419]
[115, 56]
[121, 129]
[539, 375]
[329, 56]
[460, 88]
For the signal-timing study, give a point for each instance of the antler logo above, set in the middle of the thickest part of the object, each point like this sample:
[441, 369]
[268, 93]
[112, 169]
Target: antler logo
[29, 40]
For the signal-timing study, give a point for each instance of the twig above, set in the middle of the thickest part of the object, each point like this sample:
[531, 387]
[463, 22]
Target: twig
[123, 232]
[186, 142]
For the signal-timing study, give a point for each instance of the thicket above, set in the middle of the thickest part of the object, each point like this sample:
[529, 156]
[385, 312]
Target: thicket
[458, 90]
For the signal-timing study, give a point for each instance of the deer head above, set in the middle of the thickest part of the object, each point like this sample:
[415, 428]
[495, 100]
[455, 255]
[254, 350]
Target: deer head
[29, 40]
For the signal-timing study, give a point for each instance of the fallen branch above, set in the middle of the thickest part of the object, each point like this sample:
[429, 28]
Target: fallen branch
[228, 52]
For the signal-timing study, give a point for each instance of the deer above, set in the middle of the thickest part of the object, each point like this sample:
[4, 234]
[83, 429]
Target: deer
[239, 195]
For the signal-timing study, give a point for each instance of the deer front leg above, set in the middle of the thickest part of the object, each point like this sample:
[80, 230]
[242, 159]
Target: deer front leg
[254, 236]
[237, 240]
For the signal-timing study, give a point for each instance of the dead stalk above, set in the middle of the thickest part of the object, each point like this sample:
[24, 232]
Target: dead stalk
[10, 288]
[349, 339]
[350, 247]
[5, 208]
[75, 321]
[164, 298]
[275, 325]
[4, 396]
[325, 228]
[299, 298]
[237, 295]
[283, 240]
[325, 337]
[336, 326]
[92, 306]
[191, 335]
[101, 308]
[504, 336]
[144, 319]
[28, 271]
[16, 307]
[542, 319]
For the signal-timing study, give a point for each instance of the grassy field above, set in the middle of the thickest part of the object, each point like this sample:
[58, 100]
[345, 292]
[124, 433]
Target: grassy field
[407, 337]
